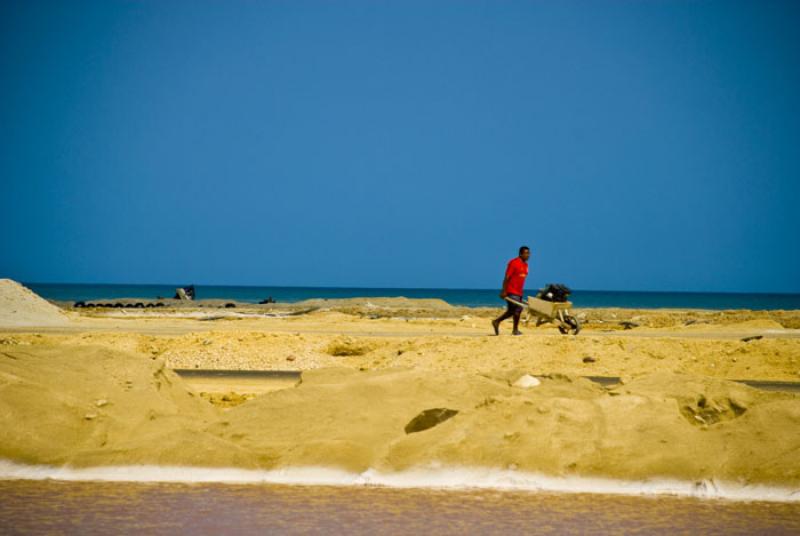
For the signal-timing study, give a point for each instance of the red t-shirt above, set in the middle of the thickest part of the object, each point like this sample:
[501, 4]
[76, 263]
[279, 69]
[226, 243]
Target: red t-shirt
[516, 273]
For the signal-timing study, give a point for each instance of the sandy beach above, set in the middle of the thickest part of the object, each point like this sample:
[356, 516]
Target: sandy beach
[254, 258]
[96, 387]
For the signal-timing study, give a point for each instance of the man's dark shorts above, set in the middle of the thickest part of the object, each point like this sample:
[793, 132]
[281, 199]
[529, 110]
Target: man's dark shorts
[513, 307]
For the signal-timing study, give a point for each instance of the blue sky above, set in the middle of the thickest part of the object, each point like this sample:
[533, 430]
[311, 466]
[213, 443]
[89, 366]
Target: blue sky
[647, 145]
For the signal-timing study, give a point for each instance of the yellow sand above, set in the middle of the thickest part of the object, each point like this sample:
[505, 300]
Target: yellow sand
[85, 405]
[429, 345]
[99, 391]
[19, 306]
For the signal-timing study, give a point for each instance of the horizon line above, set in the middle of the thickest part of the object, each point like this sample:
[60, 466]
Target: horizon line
[405, 288]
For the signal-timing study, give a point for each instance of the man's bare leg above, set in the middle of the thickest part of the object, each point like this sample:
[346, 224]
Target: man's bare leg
[516, 324]
[496, 321]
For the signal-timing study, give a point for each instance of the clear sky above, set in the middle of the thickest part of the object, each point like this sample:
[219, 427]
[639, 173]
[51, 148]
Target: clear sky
[646, 145]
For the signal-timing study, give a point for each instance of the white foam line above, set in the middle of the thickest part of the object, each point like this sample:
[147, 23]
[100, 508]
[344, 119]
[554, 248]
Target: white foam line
[432, 477]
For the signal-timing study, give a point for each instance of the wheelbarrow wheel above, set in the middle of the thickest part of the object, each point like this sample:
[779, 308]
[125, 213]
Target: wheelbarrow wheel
[570, 324]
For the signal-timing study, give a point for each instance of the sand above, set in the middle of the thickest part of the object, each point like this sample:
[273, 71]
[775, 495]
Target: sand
[317, 342]
[86, 406]
[98, 406]
[19, 306]
[99, 391]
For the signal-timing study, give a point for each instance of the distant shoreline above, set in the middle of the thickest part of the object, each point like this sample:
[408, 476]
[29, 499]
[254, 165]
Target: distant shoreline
[457, 297]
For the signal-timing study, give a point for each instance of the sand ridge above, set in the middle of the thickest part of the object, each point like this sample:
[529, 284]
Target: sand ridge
[89, 406]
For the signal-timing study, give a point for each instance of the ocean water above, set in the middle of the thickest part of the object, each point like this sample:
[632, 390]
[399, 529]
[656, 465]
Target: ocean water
[465, 297]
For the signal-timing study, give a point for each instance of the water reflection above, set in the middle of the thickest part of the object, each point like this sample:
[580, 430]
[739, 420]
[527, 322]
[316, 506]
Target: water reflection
[96, 508]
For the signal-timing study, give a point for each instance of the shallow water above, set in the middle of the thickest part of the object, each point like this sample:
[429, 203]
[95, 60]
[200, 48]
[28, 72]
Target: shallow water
[48, 506]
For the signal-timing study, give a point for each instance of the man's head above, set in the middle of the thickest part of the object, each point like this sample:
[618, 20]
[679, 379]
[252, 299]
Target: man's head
[525, 253]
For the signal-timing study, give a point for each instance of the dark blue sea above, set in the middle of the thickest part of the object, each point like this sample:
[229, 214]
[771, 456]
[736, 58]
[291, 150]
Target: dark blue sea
[467, 297]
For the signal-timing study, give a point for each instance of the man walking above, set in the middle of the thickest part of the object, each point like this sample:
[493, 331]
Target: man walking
[516, 272]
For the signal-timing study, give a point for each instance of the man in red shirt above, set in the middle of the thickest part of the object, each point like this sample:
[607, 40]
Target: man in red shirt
[516, 272]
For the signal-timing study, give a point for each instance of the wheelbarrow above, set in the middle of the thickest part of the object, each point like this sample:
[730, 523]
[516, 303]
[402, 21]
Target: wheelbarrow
[545, 311]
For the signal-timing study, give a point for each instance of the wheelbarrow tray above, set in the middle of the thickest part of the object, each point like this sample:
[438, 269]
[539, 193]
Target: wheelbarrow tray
[547, 309]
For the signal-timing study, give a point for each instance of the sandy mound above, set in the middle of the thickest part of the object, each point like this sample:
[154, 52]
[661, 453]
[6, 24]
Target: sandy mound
[95, 406]
[665, 425]
[19, 306]
[84, 405]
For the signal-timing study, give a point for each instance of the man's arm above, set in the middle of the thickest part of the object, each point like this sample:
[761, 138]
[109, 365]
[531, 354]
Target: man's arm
[509, 273]
[503, 292]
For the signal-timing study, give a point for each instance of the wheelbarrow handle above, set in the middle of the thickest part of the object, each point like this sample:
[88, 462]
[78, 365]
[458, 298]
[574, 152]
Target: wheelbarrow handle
[515, 302]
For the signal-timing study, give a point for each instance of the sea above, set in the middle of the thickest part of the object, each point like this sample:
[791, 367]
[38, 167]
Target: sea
[462, 297]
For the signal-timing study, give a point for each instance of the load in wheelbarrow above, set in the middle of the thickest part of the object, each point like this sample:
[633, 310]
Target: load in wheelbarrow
[551, 305]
